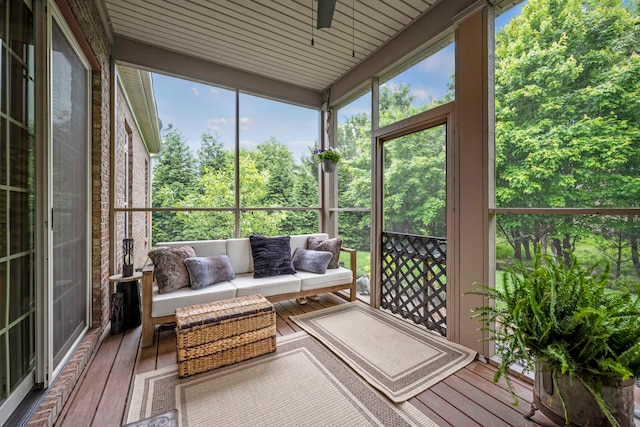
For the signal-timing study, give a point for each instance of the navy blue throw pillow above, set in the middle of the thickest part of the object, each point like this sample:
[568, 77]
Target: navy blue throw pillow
[271, 256]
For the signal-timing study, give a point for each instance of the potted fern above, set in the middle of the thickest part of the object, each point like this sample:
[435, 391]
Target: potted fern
[582, 339]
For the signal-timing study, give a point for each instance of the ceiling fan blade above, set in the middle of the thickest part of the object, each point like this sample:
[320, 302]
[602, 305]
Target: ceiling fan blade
[325, 13]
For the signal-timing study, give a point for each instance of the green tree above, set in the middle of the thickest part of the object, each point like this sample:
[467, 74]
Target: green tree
[567, 131]
[354, 183]
[212, 155]
[174, 179]
[275, 160]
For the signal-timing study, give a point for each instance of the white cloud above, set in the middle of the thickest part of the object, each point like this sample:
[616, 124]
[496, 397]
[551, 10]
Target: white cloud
[195, 91]
[213, 90]
[245, 122]
[421, 94]
[216, 124]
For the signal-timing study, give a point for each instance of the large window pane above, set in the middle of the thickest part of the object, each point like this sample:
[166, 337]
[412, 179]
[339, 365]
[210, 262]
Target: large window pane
[276, 143]
[198, 171]
[567, 122]
[196, 166]
[420, 85]
[355, 230]
[17, 295]
[354, 144]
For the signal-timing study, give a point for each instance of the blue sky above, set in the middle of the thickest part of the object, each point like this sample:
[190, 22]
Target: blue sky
[195, 108]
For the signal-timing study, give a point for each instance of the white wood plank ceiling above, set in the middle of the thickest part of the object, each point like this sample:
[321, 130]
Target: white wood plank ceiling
[270, 38]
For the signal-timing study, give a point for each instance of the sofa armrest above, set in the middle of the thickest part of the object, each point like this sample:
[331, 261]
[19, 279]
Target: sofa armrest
[352, 266]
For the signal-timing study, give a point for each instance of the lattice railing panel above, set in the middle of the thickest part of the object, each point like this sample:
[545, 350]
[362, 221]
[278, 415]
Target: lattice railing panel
[413, 281]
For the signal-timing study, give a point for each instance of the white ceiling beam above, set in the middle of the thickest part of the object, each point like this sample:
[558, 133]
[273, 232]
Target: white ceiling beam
[152, 58]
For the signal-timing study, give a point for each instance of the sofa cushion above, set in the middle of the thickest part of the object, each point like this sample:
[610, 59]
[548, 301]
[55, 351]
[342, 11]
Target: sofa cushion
[334, 277]
[239, 251]
[166, 304]
[271, 256]
[169, 268]
[300, 240]
[202, 247]
[330, 245]
[311, 261]
[246, 284]
[206, 271]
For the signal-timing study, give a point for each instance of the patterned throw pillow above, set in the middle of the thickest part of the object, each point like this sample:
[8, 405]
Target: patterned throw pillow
[206, 271]
[169, 268]
[311, 261]
[271, 256]
[330, 245]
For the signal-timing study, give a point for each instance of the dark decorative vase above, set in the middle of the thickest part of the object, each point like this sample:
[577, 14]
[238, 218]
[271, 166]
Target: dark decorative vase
[117, 311]
[328, 166]
[581, 407]
[127, 270]
[130, 303]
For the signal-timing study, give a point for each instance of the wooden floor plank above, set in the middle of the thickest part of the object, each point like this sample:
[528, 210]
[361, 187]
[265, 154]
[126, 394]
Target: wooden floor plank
[499, 409]
[499, 393]
[445, 410]
[433, 416]
[111, 411]
[87, 395]
[167, 351]
[146, 360]
[469, 407]
[523, 390]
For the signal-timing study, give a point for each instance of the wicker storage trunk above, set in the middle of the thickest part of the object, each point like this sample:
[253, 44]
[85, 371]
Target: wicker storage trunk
[224, 332]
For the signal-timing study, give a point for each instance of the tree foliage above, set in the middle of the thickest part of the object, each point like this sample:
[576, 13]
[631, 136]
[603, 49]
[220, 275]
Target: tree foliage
[567, 116]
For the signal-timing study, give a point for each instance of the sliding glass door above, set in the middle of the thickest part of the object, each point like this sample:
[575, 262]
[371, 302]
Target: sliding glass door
[17, 292]
[70, 194]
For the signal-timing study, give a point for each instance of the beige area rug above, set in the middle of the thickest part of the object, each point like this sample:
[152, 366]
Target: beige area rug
[398, 358]
[302, 384]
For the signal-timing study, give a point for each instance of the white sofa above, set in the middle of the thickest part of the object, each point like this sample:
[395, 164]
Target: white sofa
[160, 308]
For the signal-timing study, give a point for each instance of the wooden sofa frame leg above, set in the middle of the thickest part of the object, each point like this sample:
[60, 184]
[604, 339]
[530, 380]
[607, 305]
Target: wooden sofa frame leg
[352, 266]
[148, 325]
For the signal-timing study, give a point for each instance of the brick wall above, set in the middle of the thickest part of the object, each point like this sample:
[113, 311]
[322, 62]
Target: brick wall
[130, 148]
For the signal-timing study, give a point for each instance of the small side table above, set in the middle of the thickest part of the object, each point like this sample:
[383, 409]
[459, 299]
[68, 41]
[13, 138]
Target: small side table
[125, 306]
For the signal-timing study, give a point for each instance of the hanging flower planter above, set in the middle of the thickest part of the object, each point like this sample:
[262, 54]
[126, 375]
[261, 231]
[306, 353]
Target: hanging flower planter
[329, 166]
[328, 158]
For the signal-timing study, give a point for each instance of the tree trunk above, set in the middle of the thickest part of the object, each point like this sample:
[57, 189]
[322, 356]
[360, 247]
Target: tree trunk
[566, 246]
[556, 247]
[619, 255]
[633, 239]
[526, 242]
[517, 247]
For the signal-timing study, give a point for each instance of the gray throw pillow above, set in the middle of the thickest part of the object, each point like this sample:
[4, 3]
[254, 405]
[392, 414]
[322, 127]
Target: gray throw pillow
[206, 271]
[271, 256]
[169, 268]
[330, 245]
[311, 261]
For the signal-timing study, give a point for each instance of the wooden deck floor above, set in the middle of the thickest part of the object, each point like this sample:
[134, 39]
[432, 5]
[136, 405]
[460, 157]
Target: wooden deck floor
[467, 398]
